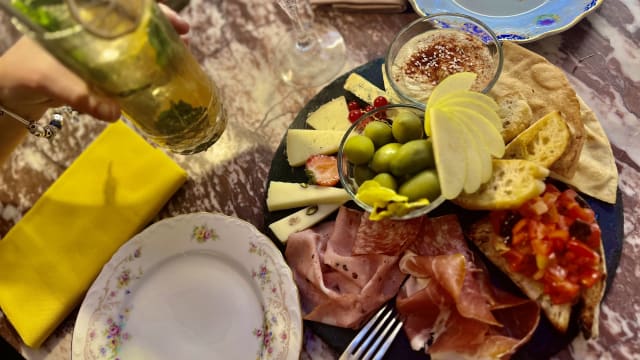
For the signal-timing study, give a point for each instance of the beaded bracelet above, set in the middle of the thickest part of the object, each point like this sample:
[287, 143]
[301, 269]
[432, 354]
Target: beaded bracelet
[48, 131]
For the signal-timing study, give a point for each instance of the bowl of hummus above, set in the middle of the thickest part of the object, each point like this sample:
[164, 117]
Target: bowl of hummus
[433, 47]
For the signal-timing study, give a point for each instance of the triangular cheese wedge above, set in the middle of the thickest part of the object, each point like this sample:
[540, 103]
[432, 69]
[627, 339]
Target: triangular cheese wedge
[333, 115]
[363, 89]
[303, 143]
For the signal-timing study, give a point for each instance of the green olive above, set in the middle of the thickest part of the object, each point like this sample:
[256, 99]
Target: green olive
[383, 157]
[387, 180]
[407, 126]
[362, 173]
[358, 149]
[379, 132]
[425, 184]
[412, 157]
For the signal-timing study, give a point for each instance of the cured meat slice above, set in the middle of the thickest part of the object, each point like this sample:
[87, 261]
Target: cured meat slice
[386, 236]
[449, 307]
[336, 287]
[441, 236]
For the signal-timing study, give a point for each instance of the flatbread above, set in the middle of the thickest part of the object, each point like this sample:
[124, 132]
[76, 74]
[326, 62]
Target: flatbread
[596, 174]
[530, 77]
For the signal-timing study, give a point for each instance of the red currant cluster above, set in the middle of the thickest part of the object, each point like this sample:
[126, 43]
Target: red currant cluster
[355, 111]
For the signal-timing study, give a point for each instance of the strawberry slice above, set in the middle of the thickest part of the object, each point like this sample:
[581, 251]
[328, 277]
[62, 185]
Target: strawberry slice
[322, 170]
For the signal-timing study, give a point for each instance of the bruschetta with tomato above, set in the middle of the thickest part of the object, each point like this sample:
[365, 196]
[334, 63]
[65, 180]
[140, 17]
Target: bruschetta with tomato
[551, 248]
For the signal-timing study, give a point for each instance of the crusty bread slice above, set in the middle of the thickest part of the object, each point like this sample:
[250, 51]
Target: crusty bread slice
[545, 88]
[515, 114]
[482, 235]
[490, 244]
[591, 299]
[513, 182]
[542, 142]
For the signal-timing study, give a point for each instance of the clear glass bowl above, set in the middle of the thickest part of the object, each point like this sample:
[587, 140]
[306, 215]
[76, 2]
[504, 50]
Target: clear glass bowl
[430, 48]
[346, 169]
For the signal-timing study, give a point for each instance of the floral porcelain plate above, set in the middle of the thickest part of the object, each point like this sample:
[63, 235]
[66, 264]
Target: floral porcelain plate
[516, 20]
[196, 286]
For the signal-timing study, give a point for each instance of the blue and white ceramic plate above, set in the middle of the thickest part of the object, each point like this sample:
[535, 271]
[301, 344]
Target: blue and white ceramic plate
[195, 286]
[516, 20]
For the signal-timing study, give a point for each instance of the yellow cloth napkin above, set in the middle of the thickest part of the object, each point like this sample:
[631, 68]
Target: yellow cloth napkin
[365, 5]
[49, 259]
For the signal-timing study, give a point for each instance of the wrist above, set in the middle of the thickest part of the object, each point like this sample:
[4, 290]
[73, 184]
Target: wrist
[12, 133]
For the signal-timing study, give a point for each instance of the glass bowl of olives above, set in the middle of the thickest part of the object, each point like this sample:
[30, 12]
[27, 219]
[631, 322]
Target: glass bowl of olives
[386, 163]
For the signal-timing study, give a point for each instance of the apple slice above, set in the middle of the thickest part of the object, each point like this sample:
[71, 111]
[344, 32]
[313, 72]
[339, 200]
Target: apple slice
[481, 128]
[482, 152]
[448, 151]
[472, 180]
[475, 155]
[452, 83]
[476, 102]
[486, 160]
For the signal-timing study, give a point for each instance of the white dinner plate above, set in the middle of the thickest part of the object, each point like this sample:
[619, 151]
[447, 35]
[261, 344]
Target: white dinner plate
[196, 286]
[516, 20]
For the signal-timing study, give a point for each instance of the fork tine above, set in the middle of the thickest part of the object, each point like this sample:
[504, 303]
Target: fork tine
[366, 335]
[380, 337]
[387, 343]
[362, 333]
[372, 335]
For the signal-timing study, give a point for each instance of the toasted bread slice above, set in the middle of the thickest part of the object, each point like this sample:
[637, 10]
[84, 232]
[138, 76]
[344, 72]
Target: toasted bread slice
[490, 244]
[482, 235]
[591, 299]
[544, 86]
[542, 142]
[515, 114]
[513, 182]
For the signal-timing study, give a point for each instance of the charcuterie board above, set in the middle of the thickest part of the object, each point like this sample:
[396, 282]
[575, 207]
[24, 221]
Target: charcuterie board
[546, 341]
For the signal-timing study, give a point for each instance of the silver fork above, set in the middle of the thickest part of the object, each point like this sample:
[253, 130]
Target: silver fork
[361, 342]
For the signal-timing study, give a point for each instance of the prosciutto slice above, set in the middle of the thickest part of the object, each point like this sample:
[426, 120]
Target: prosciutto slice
[449, 307]
[336, 286]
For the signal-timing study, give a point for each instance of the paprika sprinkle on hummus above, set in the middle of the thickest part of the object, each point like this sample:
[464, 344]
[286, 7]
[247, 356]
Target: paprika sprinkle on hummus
[428, 58]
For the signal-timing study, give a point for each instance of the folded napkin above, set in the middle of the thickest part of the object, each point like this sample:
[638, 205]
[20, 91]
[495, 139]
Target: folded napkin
[49, 259]
[365, 5]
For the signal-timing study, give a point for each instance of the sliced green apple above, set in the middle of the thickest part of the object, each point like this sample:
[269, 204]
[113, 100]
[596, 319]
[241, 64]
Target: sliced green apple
[486, 168]
[448, 150]
[473, 178]
[481, 128]
[476, 102]
[452, 83]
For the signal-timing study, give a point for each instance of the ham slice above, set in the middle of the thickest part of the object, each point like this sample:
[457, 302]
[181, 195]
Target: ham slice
[449, 307]
[337, 287]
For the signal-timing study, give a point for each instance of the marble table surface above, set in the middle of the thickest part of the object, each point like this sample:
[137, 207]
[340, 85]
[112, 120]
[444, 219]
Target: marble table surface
[234, 40]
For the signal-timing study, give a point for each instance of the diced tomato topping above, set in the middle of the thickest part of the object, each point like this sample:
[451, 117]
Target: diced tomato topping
[519, 233]
[583, 254]
[594, 238]
[520, 262]
[556, 239]
[589, 277]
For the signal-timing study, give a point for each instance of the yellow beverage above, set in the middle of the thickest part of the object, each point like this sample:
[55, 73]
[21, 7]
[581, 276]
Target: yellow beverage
[160, 86]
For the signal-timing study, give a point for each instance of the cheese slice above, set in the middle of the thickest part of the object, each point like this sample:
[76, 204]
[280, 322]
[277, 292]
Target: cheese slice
[301, 220]
[303, 143]
[333, 115]
[392, 95]
[362, 88]
[285, 195]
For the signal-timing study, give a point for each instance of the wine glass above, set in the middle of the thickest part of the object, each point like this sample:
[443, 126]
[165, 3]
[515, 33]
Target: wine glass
[309, 54]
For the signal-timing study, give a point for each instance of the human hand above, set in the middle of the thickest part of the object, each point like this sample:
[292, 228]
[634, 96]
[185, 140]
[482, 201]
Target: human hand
[32, 81]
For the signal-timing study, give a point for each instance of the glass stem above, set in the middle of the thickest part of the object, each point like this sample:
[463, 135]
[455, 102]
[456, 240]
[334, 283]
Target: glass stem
[301, 15]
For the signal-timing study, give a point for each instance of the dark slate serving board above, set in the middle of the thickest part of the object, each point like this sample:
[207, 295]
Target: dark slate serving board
[545, 342]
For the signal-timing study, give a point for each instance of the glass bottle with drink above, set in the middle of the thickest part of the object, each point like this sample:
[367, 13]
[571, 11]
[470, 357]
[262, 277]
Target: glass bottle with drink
[128, 49]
